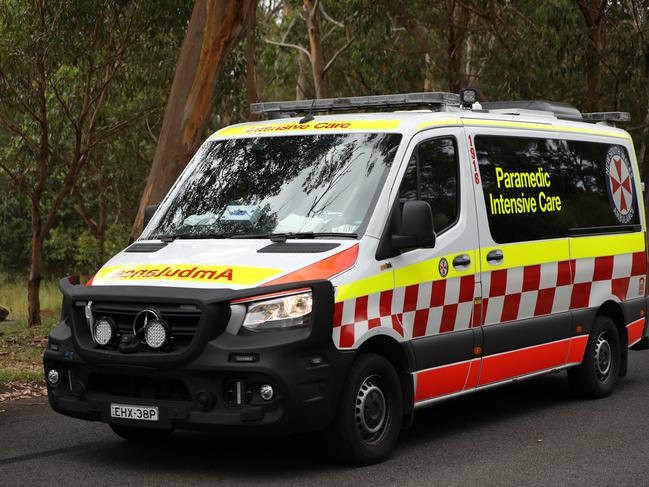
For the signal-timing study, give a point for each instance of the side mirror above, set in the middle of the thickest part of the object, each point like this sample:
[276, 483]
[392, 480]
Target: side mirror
[417, 229]
[148, 214]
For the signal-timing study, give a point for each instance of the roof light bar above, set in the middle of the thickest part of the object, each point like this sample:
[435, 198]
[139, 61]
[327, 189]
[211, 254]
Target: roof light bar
[607, 117]
[433, 100]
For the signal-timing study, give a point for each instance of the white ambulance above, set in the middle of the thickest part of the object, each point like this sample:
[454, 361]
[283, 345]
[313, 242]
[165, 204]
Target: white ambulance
[336, 272]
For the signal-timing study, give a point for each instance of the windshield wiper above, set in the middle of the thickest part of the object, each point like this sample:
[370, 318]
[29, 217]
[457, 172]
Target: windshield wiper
[283, 237]
[275, 237]
[174, 236]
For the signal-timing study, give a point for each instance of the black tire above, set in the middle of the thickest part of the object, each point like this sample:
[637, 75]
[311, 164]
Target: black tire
[370, 413]
[599, 371]
[140, 435]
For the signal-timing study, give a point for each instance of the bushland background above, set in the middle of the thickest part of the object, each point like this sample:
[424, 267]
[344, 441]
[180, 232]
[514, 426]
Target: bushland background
[103, 102]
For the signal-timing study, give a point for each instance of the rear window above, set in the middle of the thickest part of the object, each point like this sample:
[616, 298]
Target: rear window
[536, 188]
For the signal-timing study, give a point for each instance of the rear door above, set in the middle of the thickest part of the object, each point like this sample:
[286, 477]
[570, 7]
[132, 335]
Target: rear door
[437, 286]
[524, 253]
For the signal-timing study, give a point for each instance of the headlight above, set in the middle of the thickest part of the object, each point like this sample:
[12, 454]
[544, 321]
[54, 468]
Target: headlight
[280, 313]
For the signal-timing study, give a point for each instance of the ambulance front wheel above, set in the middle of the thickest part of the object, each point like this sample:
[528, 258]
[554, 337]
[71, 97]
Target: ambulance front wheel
[599, 371]
[369, 416]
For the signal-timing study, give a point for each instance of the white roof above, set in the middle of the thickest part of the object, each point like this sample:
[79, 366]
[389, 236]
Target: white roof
[410, 122]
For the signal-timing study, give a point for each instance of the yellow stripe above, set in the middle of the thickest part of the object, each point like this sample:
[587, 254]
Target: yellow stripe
[293, 127]
[626, 243]
[515, 255]
[428, 270]
[241, 275]
[363, 287]
[527, 253]
[523, 125]
[637, 171]
[439, 123]
[542, 126]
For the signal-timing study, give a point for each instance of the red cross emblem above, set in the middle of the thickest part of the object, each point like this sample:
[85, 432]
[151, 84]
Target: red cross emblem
[443, 267]
[620, 181]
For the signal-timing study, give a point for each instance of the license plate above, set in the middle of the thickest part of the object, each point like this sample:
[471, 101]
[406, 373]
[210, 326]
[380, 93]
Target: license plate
[140, 413]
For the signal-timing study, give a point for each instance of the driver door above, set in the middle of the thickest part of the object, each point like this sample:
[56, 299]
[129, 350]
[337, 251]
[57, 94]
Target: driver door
[437, 286]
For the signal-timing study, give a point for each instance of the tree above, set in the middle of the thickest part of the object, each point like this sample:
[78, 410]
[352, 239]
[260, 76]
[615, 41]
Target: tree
[53, 94]
[313, 12]
[215, 27]
[593, 12]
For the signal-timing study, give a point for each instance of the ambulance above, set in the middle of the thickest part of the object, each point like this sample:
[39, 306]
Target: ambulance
[348, 261]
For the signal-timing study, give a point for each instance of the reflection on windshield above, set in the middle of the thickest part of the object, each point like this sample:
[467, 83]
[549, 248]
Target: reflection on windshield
[289, 184]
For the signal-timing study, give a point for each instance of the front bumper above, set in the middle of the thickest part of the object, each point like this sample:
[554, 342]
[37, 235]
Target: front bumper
[208, 388]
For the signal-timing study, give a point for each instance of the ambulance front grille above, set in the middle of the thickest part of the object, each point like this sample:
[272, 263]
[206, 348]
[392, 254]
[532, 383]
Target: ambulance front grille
[182, 319]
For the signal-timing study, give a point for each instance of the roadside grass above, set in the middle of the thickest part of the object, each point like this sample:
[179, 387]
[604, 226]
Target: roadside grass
[13, 296]
[21, 347]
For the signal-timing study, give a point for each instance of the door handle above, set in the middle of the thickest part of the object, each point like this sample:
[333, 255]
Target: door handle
[495, 256]
[461, 260]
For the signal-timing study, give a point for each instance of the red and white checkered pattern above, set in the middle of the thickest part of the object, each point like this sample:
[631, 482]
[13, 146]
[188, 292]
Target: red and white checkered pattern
[418, 310]
[446, 305]
[524, 292]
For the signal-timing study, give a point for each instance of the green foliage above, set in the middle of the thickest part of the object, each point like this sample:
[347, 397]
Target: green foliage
[511, 50]
[92, 253]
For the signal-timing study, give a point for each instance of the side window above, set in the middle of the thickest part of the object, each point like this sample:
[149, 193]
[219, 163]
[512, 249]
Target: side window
[537, 189]
[432, 176]
[602, 193]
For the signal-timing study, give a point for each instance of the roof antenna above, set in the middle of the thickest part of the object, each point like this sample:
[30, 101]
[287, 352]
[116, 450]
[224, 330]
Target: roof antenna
[309, 116]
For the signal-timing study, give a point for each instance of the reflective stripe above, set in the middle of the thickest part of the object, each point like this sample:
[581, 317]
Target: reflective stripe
[440, 123]
[292, 127]
[637, 171]
[241, 275]
[626, 243]
[419, 272]
[468, 122]
[543, 126]
[634, 331]
[428, 270]
[324, 269]
[362, 287]
[527, 253]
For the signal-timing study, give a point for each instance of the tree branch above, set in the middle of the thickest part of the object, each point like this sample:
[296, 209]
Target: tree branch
[104, 134]
[337, 53]
[12, 127]
[27, 109]
[292, 46]
[14, 177]
[326, 16]
[83, 212]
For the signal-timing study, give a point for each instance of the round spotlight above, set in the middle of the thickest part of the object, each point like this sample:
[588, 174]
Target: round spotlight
[53, 377]
[103, 331]
[266, 392]
[156, 334]
[468, 96]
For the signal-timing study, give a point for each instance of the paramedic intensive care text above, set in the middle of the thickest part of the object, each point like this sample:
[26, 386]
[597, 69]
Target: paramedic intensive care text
[500, 205]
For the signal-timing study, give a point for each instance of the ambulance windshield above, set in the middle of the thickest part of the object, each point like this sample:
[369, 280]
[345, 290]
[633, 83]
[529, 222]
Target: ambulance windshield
[312, 185]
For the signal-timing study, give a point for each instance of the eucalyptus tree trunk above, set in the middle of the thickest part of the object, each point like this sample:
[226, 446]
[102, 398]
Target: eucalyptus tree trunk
[315, 43]
[216, 26]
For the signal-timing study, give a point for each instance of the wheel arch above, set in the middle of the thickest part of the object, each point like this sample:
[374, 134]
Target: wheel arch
[401, 356]
[613, 310]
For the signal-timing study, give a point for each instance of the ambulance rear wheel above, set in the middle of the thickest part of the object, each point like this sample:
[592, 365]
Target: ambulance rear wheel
[369, 416]
[140, 435]
[599, 371]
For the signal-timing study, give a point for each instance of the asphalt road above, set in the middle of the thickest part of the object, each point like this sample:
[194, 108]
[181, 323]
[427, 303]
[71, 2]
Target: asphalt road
[530, 433]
